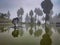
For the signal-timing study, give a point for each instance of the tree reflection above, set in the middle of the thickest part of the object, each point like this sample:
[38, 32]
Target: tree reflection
[30, 31]
[58, 30]
[37, 33]
[21, 32]
[48, 30]
[2, 29]
[27, 26]
[46, 39]
[15, 33]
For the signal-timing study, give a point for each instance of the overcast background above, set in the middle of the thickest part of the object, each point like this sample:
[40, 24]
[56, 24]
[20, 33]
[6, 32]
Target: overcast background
[14, 5]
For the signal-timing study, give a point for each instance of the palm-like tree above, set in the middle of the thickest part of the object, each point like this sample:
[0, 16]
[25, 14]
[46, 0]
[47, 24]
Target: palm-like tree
[27, 18]
[47, 7]
[20, 12]
[8, 15]
[38, 12]
[31, 17]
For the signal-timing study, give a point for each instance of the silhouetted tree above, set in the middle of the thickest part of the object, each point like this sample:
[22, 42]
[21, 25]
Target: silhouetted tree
[27, 19]
[8, 15]
[38, 12]
[20, 12]
[35, 13]
[51, 13]
[47, 7]
[2, 15]
[31, 17]
[43, 18]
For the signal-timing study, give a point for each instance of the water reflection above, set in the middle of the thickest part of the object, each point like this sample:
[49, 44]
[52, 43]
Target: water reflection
[58, 31]
[46, 38]
[31, 34]
[15, 33]
[2, 29]
[27, 26]
[30, 31]
[48, 30]
[37, 33]
[21, 32]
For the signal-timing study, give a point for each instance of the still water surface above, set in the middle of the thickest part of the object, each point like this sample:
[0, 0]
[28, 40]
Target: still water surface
[30, 36]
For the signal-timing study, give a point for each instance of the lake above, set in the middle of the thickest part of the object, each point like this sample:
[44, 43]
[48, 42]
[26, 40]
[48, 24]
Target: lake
[30, 35]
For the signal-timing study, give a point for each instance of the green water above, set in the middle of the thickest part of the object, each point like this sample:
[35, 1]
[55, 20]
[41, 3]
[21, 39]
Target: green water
[29, 36]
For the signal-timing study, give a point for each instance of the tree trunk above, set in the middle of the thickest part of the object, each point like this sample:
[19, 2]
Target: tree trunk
[35, 21]
[21, 21]
[38, 23]
[46, 19]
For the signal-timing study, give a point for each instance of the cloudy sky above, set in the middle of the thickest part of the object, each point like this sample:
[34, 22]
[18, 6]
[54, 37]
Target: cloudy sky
[14, 5]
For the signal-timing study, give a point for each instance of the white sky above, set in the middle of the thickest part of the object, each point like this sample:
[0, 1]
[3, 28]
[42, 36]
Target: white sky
[14, 5]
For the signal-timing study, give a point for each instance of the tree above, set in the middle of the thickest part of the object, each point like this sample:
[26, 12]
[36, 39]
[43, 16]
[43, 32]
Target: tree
[27, 19]
[47, 7]
[35, 13]
[50, 16]
[8, 15]
[43, 18]
[38, 12]
[2, 15]
[31, 15]
[31, 18]
[20, 12]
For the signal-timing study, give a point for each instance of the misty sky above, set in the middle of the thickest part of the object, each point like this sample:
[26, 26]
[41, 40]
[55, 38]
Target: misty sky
[14, 5]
